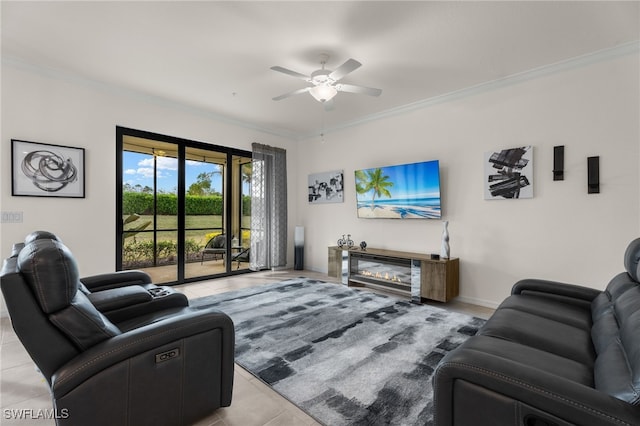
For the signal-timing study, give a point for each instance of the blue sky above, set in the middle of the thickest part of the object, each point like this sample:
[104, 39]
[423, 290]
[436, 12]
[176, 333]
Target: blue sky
[138, 170]
[416, 180]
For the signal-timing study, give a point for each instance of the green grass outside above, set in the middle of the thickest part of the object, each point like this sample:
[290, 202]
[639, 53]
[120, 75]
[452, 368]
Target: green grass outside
[211, 223]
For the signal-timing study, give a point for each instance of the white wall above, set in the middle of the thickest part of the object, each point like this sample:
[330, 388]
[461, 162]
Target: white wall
[66, 111]
[563, 233]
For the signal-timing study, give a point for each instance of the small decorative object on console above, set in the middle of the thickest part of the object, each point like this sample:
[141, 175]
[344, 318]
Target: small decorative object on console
[345, 241]
[363, 245]
[349, 241]
[444, 249]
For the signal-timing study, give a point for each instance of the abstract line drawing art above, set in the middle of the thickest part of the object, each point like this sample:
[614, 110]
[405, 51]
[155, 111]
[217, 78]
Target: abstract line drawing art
[45, 170]
[509, 173]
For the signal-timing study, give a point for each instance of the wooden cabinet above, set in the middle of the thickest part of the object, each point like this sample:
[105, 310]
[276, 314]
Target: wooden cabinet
[335, 262]
[438, 279]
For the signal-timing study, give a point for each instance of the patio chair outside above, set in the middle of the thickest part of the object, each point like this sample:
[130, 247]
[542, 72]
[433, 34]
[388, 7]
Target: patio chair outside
[243, 256]
[216, 246]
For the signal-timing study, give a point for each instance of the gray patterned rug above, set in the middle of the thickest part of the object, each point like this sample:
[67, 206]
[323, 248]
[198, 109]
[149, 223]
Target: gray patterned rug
[345, 356]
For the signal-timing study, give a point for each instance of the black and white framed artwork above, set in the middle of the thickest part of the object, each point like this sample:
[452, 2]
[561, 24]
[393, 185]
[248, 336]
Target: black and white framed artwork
[46, 170]
[326, 187]
[508, 174]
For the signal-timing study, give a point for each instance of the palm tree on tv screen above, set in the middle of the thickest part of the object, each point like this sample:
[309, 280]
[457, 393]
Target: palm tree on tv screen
[373, 180]
[361, 182]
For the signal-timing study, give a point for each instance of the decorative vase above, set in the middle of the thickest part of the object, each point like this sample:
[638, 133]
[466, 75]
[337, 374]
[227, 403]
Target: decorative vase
[444, 248]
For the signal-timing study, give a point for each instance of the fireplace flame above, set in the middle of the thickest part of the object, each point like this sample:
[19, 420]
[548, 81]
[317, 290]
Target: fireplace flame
[379, 276]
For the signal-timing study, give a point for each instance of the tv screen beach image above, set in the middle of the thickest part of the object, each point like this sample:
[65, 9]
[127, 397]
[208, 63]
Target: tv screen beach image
[407, 191]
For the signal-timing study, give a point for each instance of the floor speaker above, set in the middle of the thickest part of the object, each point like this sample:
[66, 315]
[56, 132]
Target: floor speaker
[298, 248]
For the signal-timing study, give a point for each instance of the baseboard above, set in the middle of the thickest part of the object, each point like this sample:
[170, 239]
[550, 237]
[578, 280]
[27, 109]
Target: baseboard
[479, 302]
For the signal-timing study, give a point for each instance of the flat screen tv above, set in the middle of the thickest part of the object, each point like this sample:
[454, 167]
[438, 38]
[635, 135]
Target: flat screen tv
[406, 191]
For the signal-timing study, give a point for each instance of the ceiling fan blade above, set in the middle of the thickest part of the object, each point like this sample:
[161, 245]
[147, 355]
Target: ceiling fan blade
[295, 92]
[344, 69]
[361, 90]
[291, 73]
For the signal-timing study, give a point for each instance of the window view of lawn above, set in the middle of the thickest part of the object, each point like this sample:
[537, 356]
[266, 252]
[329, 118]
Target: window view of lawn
[199, 229]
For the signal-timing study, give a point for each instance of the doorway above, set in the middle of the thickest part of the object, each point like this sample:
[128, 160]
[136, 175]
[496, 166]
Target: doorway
[183, 209]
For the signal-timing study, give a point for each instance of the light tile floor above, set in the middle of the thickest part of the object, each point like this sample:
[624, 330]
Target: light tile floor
[254, 403]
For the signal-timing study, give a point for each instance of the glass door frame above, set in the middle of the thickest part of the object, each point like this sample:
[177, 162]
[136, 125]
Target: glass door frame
[182, 145]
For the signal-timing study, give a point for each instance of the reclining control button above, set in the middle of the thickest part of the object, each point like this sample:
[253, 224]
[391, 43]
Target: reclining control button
[167, 355]
[158, 292]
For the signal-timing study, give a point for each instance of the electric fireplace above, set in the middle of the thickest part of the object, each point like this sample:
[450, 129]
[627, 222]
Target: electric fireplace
[417, 275]
[389, 272]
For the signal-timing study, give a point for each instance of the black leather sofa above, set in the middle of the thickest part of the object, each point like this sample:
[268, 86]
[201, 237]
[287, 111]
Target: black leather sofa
[551, 354]
[156, 364]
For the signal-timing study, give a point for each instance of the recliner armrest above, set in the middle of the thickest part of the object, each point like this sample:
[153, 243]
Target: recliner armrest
[115, 279]
[568, 293]
[116, 298]
[185, 323]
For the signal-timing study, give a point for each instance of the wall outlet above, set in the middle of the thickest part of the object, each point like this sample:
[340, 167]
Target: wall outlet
[11, 217]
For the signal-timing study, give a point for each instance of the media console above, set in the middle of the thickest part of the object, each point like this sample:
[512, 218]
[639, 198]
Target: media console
[414, 274]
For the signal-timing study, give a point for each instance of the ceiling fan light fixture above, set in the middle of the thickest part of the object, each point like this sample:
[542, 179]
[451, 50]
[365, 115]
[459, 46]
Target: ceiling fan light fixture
[323, 92]
[325, 83]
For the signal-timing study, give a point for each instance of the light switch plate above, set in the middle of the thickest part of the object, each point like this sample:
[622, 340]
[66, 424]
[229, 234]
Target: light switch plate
[11, 217]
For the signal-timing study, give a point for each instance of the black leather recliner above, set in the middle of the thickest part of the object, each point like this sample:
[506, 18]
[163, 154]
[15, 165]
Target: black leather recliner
[120, 295]
[168, 366]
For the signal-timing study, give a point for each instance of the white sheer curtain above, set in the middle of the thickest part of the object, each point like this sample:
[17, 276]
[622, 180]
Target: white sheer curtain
[268, 208]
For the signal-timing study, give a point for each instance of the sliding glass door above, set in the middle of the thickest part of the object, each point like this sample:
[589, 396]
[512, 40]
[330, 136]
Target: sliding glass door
[205, 198]
[240, 222]
[183, 207]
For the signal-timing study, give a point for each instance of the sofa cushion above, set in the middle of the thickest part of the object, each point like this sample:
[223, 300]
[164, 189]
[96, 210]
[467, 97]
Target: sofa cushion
[616, 287]
[530, 357]
[41, 235]
[613, 374]
[632, 259]
[606, 326]
[46, 262]
[604, 331]
[545, 307]
[83, 324]
[538, 332]
[615, 337]
[51, 272]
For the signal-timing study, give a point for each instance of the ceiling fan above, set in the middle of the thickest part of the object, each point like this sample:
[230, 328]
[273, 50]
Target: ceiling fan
[325, 83]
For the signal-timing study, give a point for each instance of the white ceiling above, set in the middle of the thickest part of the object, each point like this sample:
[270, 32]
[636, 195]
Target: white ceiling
[216, 56]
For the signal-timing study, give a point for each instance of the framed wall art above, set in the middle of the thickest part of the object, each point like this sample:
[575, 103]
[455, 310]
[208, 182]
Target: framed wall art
[46, 170]
[326, 187]
[508, 174]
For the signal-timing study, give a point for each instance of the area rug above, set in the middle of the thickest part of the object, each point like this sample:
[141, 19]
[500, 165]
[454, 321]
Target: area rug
[345, 356]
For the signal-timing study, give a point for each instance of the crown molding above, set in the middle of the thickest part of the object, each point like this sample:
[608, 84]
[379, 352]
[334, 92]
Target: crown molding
[625, 49]
[74, 78]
